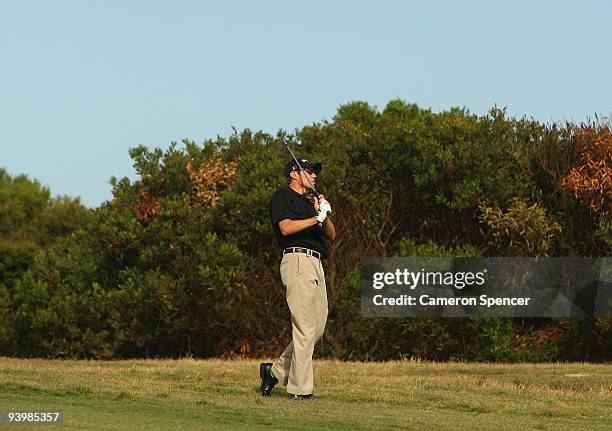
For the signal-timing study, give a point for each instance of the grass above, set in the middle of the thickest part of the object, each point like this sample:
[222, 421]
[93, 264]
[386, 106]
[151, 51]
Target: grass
[216, 394]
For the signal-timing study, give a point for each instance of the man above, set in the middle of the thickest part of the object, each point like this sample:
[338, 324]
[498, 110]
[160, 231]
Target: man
[300, 227]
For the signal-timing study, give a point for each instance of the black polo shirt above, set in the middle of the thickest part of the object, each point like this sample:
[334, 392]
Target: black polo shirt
[286, 203]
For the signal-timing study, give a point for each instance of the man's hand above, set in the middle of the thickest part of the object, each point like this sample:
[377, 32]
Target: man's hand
[323, 208]
[317, 202]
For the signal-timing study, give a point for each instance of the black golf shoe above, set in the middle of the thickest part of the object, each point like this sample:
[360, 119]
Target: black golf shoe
[268, 381]
[304, 397]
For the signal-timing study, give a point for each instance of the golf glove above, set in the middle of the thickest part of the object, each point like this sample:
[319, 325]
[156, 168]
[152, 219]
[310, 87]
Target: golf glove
[324, 210]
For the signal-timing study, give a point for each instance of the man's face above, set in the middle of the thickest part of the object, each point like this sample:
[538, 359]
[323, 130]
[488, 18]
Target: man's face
[304, 176]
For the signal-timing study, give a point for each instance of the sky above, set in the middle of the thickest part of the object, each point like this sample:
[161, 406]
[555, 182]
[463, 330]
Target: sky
[82, 81]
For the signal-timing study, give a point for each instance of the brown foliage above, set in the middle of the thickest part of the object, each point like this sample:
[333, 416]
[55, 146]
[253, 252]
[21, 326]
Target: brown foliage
[591, 179]
[146, 205]
[210, 178]
[547, 335]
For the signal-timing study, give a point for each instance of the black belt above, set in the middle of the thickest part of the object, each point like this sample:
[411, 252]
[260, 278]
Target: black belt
[307, 251]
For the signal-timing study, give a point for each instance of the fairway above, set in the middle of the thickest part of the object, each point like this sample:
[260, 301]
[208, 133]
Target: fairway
[216, 394]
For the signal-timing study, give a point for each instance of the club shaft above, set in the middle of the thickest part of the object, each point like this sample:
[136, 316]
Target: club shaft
[301, 169]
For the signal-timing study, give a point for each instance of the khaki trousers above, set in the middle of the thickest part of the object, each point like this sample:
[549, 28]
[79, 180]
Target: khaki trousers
[304, 280]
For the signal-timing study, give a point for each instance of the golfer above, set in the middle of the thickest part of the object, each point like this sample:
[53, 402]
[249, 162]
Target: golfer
[300, 227]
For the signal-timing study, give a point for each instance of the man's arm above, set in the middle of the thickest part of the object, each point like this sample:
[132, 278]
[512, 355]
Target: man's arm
[328, 229]
[289, 227]
[327, 226]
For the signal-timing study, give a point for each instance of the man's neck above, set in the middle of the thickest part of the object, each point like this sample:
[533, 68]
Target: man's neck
[298, 188]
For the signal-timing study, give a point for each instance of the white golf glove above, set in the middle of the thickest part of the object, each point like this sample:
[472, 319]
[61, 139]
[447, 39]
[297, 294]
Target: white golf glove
[324, 209]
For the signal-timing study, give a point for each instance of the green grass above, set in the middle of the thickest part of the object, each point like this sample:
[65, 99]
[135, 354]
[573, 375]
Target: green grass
[215, 394]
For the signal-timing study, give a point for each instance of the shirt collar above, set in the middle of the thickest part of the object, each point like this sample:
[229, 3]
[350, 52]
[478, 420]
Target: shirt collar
[296, 193]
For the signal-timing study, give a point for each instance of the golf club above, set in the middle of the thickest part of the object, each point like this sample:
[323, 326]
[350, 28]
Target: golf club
[302, 170]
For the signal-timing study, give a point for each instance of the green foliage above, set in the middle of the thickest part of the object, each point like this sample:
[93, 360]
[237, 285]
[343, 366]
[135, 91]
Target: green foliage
[28, 213]
[183, 259]
[604, 231]
[15, 260]
[21, 199]
[585, 339]
[520, 231]
[407, 247]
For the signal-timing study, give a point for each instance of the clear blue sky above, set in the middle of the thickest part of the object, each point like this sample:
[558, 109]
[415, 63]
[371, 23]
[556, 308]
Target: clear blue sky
[83, 81]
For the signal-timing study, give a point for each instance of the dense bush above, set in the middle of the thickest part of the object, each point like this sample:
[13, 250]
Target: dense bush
[183, 260]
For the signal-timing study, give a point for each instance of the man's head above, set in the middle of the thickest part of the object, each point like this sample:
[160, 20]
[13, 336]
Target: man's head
[311, 171]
